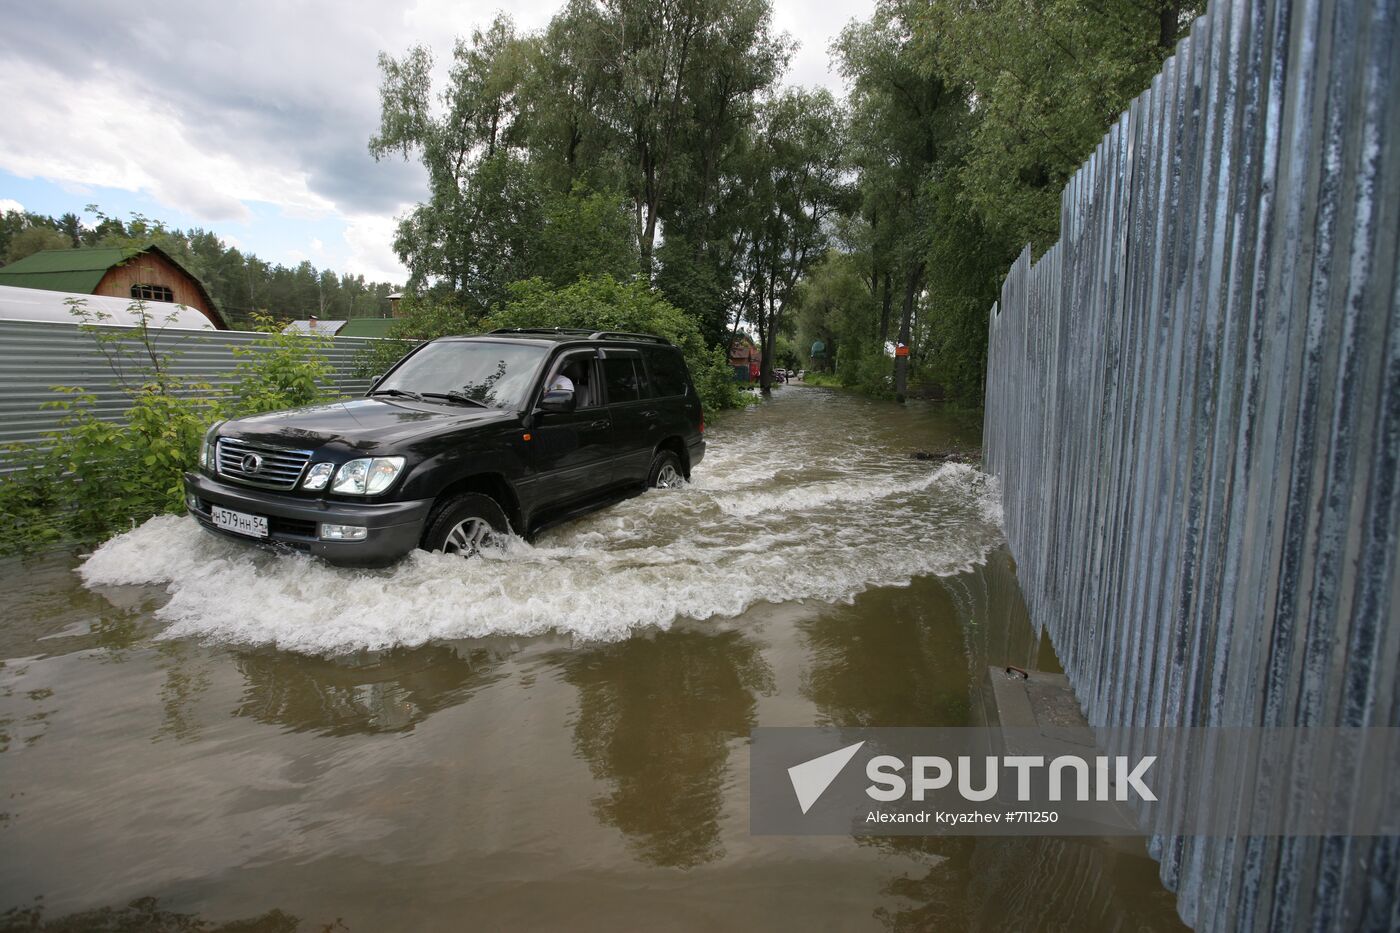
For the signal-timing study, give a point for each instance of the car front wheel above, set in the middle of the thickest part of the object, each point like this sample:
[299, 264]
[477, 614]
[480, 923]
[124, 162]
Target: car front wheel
[466, 525]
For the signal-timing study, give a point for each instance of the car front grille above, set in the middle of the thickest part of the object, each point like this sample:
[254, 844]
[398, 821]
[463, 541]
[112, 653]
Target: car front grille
[257, 465]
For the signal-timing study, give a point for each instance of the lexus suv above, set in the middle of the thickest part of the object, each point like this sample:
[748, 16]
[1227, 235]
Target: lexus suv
[463, 440]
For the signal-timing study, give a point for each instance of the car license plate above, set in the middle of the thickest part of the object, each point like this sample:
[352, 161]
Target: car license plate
[254, 526]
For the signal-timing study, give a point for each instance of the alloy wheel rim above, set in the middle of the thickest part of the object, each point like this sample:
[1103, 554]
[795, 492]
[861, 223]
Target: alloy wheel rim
[468, 537]
[668, 477]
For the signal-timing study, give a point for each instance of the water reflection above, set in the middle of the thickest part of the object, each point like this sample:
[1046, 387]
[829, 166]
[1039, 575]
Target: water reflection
[44, 611]
[186, 680]
[992, 615]
[22, 730]
[918, 657]
[390, 691]
[1033, 884]
[855, 679]
[145, 915]
[656, 717]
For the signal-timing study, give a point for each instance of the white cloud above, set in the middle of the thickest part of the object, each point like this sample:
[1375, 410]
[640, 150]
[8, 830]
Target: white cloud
[97, 134]
[814, 24]
[370, 238]
[10, 204]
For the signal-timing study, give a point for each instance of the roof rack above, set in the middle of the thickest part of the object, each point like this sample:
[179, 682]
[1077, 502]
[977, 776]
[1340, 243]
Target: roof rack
[624, 335]
[581, 331]
[584, 332]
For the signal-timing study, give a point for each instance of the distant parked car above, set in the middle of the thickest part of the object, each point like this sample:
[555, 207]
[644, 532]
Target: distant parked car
[464, 439]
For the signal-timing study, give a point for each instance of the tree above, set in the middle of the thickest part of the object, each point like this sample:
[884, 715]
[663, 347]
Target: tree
[1050, 77]
[834, 305]
[623, 101]
[569, 132]
[32, 240]
[686, 68]
[71, 226]
[793, 179]
[586, 234]
[698, 266]
[907, 118]
[483, 194]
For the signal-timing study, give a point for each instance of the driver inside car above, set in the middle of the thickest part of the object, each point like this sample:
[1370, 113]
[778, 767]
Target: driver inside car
[572, 377]
[561, 382]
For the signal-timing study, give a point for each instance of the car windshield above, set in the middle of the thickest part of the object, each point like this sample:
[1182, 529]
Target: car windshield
[488, 373]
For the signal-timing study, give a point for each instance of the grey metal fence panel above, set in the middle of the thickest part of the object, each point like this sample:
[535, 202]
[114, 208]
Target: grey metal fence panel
[1193, 408]
[36, 356]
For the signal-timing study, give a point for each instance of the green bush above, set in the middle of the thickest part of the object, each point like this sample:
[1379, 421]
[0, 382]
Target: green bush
[92, 477]
[873, 375]
[604, 303]
[281, 370]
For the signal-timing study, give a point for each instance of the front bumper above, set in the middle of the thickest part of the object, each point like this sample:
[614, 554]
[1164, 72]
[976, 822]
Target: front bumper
[395, 528]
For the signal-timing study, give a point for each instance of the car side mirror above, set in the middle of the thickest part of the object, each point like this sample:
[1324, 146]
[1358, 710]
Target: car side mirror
[560, 400]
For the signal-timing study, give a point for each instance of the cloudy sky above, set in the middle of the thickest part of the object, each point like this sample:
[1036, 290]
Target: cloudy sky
[250, 118]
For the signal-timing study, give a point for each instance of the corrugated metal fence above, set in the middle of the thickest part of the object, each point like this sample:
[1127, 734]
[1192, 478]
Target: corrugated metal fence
[35, 356]
[1193, 405]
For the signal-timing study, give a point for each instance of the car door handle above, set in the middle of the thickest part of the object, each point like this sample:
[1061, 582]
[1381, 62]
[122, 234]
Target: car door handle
[600, 424]
[650, 414]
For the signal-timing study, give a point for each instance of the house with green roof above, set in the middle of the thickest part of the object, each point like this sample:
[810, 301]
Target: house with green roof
[366, 327]
[146, 274]
[355, 327]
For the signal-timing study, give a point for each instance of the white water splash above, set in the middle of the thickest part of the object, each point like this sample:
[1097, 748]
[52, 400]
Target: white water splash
[761, 522]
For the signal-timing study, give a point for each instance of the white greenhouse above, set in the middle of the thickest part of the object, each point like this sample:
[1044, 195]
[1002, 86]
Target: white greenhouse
[35, 304]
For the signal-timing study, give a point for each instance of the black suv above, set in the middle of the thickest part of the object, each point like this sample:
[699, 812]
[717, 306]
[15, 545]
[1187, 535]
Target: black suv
[465, 438]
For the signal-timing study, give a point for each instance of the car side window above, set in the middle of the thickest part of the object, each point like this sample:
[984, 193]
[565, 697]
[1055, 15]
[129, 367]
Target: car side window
[643, 382]
[620, 373]
[578, 369]
[667, 372]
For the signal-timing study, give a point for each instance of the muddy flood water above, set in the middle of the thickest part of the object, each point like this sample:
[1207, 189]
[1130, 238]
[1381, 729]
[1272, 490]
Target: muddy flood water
[194, 735]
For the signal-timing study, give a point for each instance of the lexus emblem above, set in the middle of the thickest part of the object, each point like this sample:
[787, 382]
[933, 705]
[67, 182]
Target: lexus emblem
[252, 463]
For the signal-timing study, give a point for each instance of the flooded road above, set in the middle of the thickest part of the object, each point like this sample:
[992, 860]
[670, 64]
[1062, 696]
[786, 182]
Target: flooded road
[553, 737]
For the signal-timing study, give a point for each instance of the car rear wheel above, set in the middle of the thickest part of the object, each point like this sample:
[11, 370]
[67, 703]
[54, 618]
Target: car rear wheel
[666, 471]
[466, 525]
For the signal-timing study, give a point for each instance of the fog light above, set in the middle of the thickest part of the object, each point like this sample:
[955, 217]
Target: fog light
[192, 502]
[343, 533]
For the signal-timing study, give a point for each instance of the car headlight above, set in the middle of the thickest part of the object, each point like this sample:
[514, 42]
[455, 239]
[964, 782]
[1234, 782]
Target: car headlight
[368, 476]
[318, 476]
[206, 446]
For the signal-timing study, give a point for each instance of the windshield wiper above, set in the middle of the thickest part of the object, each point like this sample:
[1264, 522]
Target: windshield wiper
[456, 397]
[398, 393]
